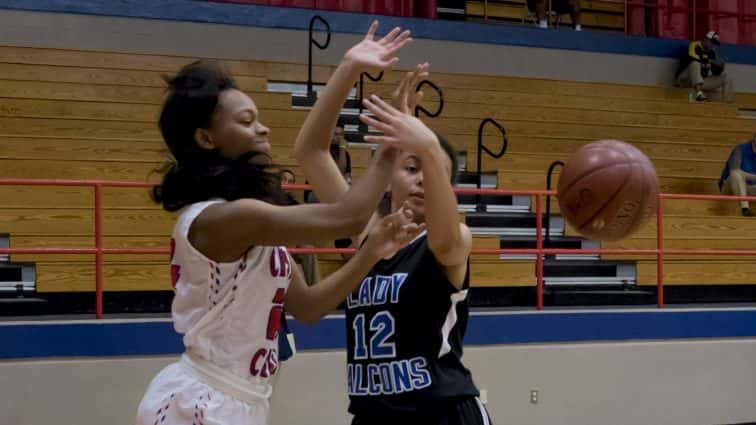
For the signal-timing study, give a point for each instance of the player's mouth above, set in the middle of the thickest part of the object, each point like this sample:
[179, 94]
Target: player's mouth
[417, 195]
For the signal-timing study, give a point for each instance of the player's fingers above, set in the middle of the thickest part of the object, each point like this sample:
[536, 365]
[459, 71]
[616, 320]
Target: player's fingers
[388, 38]
[371, 31]
[379, 108]
[387, 110]
[376, 124]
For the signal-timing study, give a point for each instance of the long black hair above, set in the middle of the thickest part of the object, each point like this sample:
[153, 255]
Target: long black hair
[196, 174]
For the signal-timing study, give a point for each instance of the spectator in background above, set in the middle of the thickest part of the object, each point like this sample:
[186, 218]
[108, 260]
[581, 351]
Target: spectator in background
[560, 7]
[702, 68]
[739, 174]
[287, 176]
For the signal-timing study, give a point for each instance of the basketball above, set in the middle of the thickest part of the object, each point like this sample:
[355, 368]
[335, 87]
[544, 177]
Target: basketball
[607, 190]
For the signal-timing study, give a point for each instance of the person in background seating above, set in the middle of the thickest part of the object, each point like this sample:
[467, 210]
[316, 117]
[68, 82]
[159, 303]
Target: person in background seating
[703, 68]
[560, 7]
[739, 174]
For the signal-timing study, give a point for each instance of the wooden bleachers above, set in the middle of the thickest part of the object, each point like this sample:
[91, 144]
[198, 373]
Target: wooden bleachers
[77, 114]
[746, 101]
[602, 14]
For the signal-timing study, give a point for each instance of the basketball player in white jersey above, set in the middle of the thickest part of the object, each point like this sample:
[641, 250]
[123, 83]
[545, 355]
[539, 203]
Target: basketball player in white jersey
[231, 273]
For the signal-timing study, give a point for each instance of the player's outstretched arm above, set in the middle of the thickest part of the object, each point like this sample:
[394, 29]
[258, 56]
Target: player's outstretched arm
[311, 147]
[224, 231]
[387, 236]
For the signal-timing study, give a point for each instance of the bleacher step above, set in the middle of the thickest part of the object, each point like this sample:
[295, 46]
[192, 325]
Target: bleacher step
[553, 242]
[17, 279]
[469, 179]
[4, 243]
[586, 273]
[509, 224]
[493, 203]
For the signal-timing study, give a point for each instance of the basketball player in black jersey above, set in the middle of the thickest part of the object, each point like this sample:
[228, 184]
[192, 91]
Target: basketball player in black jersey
[406, 321]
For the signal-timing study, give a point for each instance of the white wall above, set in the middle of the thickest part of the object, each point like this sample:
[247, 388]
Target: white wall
[635, 383]
[227, 41]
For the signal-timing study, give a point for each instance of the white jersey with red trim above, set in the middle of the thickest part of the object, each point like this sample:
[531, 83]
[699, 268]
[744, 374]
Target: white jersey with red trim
[242, 337]
[230, 315]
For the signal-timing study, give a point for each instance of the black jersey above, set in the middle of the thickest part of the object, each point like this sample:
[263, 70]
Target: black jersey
[405, 326]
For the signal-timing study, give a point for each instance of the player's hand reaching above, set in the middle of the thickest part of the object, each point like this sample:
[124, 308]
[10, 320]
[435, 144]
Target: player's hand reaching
[371, 55]
[405, 98]
[392, 233]
[399, 129]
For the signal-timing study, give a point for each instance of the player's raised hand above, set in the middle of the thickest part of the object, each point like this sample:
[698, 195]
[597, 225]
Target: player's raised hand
[376, 55]
[399, 129]
[405, 98]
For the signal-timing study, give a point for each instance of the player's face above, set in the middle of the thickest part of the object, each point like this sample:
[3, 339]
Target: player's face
[407, 184]
[236, 127]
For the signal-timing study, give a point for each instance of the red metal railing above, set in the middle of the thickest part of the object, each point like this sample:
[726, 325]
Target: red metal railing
[99, 250]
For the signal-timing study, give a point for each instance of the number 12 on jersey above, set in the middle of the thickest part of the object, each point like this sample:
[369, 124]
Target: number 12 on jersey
[381, 329]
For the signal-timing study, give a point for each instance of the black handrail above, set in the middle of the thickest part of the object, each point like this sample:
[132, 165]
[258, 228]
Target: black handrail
[482, 148]
[548, 199]
[440, 93]
[362, 85]
[362, 126]
[310, 92]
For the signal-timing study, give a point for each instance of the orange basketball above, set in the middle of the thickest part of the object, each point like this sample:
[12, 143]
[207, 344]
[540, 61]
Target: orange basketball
[608, 189]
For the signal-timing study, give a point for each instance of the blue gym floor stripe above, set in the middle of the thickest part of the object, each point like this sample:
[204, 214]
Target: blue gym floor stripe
[355, 23]
[144, 337]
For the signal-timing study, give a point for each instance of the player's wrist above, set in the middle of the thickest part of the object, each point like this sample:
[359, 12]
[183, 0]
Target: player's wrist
[351, 66]
[431, 150]
[367, 254]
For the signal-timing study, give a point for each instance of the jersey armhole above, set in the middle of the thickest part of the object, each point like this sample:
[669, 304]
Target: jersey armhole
[186, 221]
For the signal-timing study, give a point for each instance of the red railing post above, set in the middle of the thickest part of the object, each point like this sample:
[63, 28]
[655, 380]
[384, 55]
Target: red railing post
[626, 18]
[98, 247]
[539, 252]
[660, 251]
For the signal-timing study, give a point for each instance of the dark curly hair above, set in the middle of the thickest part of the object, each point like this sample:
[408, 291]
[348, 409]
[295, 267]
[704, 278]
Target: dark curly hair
[196, 174]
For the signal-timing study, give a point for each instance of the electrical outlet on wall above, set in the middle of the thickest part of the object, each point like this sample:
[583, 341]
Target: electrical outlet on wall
[534, 396]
